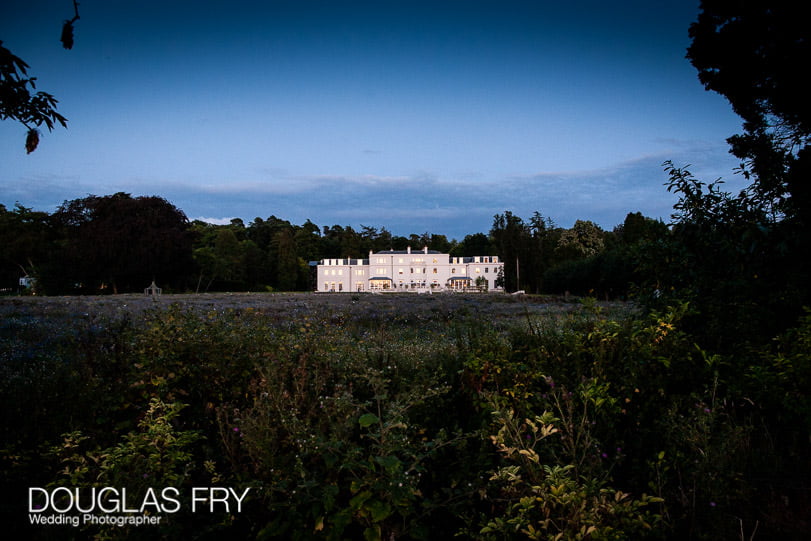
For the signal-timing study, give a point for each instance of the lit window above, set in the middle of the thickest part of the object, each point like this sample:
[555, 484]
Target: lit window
[435, 270]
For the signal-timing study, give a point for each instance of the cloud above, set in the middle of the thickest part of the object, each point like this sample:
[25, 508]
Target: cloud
[214, 221]
[456, 206]
[420, 202]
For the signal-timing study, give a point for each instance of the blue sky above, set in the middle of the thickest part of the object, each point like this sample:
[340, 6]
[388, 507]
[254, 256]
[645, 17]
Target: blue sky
[410, 115]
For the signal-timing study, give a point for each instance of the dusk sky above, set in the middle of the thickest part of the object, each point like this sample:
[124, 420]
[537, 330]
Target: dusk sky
[409, 115]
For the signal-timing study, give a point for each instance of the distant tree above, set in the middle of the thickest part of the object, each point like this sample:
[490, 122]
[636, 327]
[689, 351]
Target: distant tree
[398, 242]
[308, 241]
[343, 242]
[440, 243]
[472, 245]
[584, 239]
[27, 245]
[288, 260]
[384, 240]
[228, 259]
[510, 238]
[638, 228]
[544, 237]
[125, 242]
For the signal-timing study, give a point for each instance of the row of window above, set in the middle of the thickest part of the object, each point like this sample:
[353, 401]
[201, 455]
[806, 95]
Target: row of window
[380, 271]
[387, 284]
[434, 260]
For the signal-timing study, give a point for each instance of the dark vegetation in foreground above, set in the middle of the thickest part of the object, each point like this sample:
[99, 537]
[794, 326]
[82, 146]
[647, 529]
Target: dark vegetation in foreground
[405, 417]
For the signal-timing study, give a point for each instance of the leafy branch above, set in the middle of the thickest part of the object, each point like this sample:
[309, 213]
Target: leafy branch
[19, 99]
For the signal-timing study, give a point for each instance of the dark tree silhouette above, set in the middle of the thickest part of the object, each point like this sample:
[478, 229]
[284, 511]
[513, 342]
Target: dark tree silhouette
[752, 53]
[124, 242]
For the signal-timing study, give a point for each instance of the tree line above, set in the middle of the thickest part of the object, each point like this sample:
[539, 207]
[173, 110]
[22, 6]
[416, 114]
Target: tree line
[119, 243]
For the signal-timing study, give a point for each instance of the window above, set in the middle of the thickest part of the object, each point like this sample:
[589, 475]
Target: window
[360, 272]
[380, 271]
[434, 270]
[399, 271]
[453, 270]
[478, 270]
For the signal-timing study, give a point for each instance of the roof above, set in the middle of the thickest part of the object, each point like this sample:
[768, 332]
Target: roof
[406, 252]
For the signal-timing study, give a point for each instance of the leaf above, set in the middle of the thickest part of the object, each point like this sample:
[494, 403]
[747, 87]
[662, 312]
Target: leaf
[358, 500]
[379, 510]
[368, 419]
[390, 463]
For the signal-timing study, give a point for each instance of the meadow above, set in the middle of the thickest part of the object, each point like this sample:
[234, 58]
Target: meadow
[387, 417]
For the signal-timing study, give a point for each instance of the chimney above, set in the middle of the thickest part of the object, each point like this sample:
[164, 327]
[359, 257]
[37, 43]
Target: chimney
[409, 249]
[425, 249]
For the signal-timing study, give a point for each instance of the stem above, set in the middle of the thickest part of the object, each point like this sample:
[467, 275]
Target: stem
[76, 10]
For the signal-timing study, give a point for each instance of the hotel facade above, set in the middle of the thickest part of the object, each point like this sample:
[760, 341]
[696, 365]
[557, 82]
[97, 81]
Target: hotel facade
[409, 271]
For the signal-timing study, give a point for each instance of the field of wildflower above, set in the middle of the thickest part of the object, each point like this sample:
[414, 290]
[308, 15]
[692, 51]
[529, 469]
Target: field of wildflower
[384, 417]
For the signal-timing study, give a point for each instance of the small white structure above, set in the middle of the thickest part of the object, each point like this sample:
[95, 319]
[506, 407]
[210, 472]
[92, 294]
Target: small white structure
[153, 290]
[406, 271]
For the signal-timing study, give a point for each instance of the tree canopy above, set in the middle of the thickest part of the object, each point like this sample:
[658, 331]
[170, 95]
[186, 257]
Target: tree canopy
[753, 54]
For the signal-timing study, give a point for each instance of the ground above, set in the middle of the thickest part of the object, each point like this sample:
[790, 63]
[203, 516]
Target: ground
[496, 305]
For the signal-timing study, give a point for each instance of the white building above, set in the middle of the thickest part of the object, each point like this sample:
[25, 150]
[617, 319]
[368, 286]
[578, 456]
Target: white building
[404, 270]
